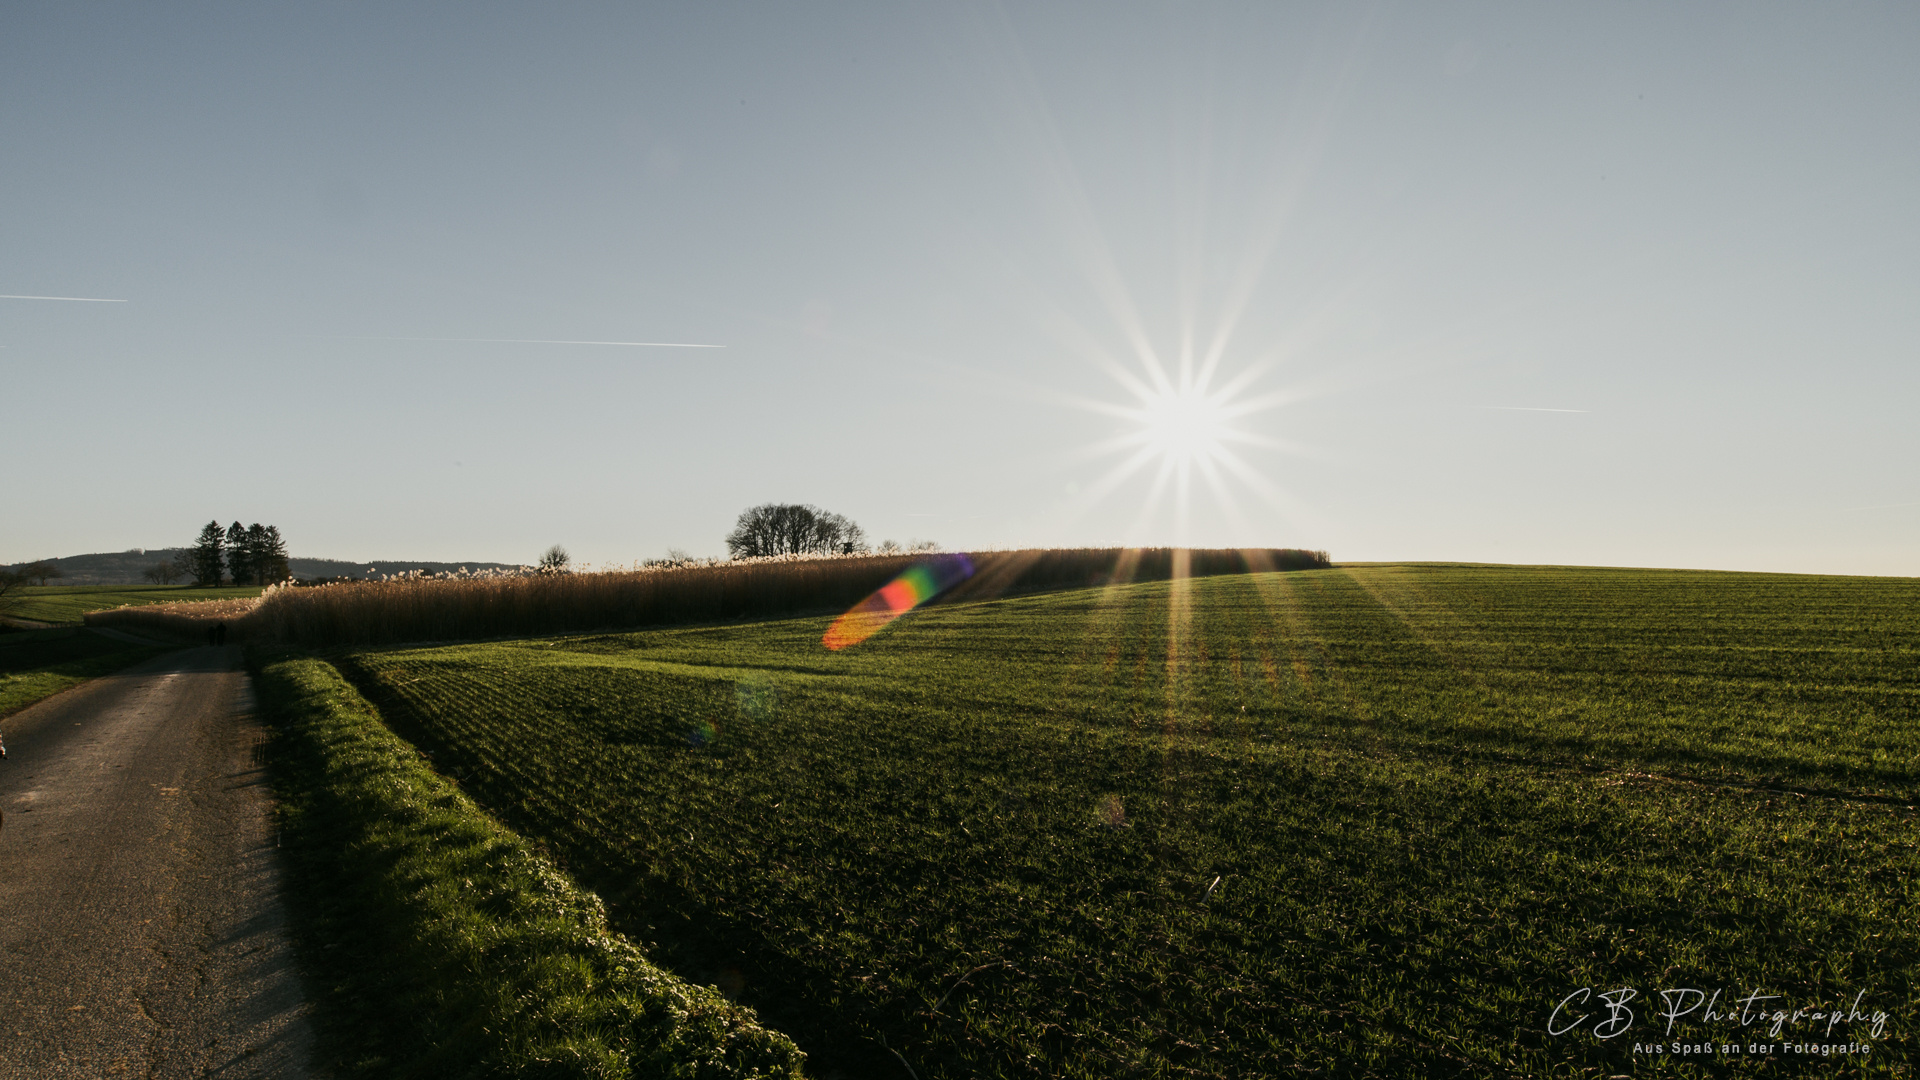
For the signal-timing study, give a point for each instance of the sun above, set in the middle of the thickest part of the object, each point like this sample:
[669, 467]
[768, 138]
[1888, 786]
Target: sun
[1186, 423]
[1185, 426]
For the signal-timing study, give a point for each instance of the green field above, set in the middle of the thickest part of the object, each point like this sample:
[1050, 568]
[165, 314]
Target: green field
[1376, 821]
[35, 664]
[66, 603]
[437, 945]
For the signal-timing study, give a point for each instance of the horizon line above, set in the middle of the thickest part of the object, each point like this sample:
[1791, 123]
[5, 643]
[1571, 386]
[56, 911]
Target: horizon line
[544, 341]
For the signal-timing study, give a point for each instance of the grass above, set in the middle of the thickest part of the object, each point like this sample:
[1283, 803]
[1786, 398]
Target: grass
[1368, 822]
[36, 664]
[66, 604]
[425, 608]
[443, 946]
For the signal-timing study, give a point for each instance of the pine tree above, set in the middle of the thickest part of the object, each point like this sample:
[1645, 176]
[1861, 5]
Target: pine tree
[256, 554]
[208, 552]
[239, 555]
[273, 562]
[266, 555]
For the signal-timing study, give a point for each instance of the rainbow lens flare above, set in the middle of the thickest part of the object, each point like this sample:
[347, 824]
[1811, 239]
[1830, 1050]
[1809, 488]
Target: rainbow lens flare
[919, 584]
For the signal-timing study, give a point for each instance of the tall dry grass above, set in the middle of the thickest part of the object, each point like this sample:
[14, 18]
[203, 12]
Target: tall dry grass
[412, 609]
[186, 622]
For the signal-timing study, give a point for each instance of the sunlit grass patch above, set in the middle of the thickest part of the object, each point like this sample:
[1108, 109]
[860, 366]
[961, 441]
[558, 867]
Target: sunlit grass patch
[443, 946]
[66, 604]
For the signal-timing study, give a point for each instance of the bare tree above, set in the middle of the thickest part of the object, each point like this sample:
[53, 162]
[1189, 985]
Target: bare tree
[840, 535]
[179, 568]
[42, 571]
[555, 560]
[11, 582]
[793, 529]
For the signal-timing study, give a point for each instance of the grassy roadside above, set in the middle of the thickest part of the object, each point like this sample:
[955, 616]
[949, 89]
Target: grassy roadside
[441, 945]
[65, 604]
[37, 664]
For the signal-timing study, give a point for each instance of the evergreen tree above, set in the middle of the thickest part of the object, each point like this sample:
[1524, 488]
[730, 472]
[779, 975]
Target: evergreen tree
[208, 553]
[266, 555]
[273, 556]
[239, 555]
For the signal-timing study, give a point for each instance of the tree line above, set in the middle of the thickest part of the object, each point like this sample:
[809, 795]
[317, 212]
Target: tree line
[793, 529]
[805, 529]
[242, 554]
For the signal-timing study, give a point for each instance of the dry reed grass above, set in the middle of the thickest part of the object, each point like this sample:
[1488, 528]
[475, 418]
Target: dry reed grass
[420, 608]
[187, 621]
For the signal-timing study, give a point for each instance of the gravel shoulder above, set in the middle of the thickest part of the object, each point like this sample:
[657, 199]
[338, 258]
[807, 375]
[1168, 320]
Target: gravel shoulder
[141, 931]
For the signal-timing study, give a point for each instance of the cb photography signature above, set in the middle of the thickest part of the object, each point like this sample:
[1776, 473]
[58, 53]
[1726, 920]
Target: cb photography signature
[1703, 1018]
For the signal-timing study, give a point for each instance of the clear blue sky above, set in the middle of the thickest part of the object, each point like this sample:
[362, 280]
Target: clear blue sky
[934, 241]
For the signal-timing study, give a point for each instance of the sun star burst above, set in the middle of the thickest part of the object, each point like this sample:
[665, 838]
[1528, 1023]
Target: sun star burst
[1184, 425]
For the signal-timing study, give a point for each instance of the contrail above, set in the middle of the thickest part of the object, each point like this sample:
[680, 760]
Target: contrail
[551, 341]
[1526, 408]
[82, 299]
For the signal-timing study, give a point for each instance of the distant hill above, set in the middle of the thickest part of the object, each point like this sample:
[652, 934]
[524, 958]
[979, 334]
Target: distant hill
[125, 567]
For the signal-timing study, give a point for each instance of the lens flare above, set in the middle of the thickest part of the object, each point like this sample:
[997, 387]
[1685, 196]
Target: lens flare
[919, 584]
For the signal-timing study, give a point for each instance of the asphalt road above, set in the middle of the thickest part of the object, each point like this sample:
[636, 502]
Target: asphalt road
[141, 933]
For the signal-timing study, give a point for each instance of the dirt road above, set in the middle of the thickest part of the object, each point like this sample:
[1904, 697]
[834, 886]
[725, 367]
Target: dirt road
[140, 931]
